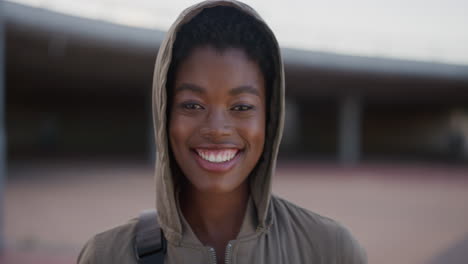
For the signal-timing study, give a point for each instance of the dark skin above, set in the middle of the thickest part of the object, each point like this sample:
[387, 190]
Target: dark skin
[218, 107]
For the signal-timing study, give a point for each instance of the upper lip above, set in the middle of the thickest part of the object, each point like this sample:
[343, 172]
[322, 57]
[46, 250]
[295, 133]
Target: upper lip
[217, 146]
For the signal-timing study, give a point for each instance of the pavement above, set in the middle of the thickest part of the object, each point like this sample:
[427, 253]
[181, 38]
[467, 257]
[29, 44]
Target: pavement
[400, 213]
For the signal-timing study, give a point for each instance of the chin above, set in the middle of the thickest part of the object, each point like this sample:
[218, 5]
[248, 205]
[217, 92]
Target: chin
[216, 183]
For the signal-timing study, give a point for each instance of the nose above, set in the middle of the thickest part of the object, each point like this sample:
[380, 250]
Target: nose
[216, 125]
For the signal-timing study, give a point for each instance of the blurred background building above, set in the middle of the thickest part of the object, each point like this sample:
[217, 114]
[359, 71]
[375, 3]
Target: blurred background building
[366, 82]
[70, 80]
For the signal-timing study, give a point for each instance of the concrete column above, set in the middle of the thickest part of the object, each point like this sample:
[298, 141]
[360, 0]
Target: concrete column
[292, 127]
[2, 131]
[349, 125]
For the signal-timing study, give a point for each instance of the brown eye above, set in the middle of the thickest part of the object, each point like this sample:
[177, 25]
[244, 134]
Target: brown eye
[192, 106]
[242, 107]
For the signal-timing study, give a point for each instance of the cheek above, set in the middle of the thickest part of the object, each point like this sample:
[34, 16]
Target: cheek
[177, 132]
[254, 133]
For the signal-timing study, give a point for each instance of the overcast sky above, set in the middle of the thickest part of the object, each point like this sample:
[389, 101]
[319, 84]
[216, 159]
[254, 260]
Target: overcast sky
[430, 30]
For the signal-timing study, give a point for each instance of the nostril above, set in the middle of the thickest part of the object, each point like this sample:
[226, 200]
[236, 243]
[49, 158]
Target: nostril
[215, 132]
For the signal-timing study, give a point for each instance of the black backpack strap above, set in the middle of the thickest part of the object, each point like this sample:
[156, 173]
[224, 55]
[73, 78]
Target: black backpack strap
[150, 244]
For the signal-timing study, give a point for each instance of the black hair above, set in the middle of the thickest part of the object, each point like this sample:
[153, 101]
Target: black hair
[224, 27]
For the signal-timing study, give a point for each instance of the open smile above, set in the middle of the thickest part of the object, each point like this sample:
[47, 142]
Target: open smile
[217, 160]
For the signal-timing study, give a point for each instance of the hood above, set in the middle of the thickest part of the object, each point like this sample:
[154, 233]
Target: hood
[261, 178]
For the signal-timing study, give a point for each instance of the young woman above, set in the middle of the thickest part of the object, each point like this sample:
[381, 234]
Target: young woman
[218, 114]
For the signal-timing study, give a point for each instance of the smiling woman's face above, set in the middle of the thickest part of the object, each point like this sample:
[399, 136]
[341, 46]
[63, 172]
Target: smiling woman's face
[217, 118]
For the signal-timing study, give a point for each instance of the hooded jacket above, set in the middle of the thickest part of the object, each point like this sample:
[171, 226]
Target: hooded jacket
[273, 230]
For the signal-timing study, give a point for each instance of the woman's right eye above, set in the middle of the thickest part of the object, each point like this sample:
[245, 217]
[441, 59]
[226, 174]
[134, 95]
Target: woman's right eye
[192, 106]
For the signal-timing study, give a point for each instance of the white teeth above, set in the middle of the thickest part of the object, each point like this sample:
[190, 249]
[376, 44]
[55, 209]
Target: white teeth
[217, 156]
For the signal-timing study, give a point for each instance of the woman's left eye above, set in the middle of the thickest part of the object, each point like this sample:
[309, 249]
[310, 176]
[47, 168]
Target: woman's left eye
[192, 106]
[242, 107]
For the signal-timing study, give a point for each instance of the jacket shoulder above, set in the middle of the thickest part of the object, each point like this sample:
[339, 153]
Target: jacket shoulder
[324, 235]
[112, 246]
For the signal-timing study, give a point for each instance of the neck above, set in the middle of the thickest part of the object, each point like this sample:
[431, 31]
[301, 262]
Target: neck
[214, 217]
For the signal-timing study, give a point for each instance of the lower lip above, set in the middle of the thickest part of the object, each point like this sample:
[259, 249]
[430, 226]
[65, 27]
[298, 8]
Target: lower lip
[217, 167]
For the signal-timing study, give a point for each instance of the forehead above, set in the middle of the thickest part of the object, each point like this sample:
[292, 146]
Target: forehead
[215, 69]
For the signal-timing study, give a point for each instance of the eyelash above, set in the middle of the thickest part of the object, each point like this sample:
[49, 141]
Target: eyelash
[243, 107]
[240, 108]
[192, 106]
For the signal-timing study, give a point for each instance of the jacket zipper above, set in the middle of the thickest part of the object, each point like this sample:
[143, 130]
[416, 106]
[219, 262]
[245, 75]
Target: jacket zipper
[227, 254]
[213, 255]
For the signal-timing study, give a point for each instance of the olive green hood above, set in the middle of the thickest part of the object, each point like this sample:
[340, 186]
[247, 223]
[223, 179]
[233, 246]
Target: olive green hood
[261, 177]
[273, 231]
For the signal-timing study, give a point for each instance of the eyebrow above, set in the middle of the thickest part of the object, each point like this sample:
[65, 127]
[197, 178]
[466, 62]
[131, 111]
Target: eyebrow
[244, 89]
[190, 87]
[233, 92]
